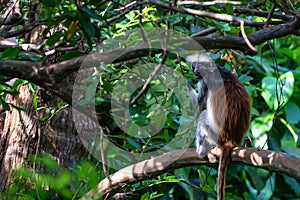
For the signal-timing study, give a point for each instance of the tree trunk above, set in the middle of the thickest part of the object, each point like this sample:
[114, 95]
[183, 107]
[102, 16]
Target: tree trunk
[25, 133]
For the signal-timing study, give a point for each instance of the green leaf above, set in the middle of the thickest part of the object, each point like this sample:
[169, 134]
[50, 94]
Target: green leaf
[70, 55]
[244, 78]
[290, 128]
[229, 9]
[85, 23]
[257, 177]
[62, 105]
[90, 92]
[63, 180]
[284, 92]
[30, 57]
[288, 145]
[293, 183]
[35, 100]
[267, 192]
[254, 112]
[54, 38]
[261, 125]
[51, 3]
[91, 13]
[10, 53]
[47, 161]
[145, 196]
[17, 83]
[292, 113]
[134, 144]
[292, 53]
[4, 104]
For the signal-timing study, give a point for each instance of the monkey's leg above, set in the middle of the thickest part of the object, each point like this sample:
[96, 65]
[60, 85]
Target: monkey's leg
[203, 136]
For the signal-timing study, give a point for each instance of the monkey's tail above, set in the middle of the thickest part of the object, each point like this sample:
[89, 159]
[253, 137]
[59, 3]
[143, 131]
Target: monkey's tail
[223, 163]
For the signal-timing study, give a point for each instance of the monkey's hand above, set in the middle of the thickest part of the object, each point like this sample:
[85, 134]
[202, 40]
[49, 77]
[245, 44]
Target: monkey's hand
[189, 86]
[193, 95]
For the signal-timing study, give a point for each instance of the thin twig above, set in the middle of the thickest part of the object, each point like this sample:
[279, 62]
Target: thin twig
[25, 29]
[204, 32]
[251, 12]
[246, 38]
[270, 14]
[257, 4]
[285, 7]
[128, 8]
[150, 78]
[104, 165]
[209, 3]
[141, 25]
[217, 16]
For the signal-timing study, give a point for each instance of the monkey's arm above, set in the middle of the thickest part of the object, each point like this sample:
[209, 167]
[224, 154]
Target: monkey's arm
[198, 99]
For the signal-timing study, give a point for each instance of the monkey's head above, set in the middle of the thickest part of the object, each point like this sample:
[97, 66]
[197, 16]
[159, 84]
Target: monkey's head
[201, 64]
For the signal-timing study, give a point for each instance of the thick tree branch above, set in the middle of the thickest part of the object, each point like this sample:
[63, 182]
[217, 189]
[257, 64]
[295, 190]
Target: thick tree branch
[39, 75]
[259, 37]
[265, 159]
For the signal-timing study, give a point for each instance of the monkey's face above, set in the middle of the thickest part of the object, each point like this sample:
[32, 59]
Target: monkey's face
[201, 69]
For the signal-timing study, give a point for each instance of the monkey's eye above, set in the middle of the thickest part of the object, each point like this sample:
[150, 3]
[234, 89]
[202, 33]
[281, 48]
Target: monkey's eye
[194, 65]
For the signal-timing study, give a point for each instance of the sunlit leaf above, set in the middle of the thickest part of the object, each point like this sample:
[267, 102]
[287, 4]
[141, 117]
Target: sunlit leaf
[290, 128]
[262, 125]
[284, 92]
[35, 100]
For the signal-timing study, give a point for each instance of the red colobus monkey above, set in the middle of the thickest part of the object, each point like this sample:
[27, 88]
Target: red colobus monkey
[225, 108]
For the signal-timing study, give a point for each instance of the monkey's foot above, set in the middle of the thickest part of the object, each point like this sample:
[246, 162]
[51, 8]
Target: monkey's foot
[213, 154]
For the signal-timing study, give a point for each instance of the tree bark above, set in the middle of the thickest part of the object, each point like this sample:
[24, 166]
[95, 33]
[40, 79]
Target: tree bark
[26, 134]
[147, 169]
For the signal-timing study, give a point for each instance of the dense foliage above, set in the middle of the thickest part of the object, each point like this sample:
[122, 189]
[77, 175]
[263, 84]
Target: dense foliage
[270, 77]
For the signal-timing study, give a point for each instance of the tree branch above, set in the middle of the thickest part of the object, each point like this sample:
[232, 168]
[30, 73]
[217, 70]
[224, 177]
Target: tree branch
[217, 16]
[265, 159]
[26, 29]
[252, 12]
[150, 78]
[51, 76]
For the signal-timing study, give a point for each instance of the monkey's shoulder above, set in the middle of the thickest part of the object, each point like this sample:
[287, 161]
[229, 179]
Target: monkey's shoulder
[226, 74]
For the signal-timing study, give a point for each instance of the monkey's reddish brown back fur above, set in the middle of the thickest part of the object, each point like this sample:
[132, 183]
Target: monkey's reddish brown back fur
[232, 115]
[236, 109]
